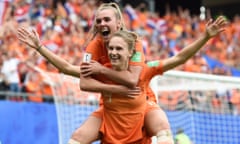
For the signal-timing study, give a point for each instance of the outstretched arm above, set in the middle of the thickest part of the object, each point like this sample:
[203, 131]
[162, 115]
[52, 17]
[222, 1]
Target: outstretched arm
[213, 28]
[31, 38]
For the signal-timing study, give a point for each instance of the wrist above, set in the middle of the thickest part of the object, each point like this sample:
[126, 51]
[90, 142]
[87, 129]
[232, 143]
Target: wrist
[101, 71]
[205, 36]
[39, 47]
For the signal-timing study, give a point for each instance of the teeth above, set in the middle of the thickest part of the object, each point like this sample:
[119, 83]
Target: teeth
[114, 57]
[105, 31]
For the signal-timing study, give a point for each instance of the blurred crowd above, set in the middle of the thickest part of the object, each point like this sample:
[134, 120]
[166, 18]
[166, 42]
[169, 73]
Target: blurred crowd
[63, 27]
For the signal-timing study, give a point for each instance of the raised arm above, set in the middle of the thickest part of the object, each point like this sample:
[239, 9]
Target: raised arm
[213, 28]
[31, 38]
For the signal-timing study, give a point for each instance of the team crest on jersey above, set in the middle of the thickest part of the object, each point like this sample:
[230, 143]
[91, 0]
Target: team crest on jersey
[137, 57]
[153, 63]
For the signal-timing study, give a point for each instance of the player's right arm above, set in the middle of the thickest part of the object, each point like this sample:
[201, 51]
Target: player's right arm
[31, 38]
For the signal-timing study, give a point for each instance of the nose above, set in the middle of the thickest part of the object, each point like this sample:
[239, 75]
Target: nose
[103, 23]
[113, 51]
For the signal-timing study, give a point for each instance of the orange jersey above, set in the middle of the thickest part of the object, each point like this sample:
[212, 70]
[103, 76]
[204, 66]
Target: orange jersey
[99, 53]
[123, 117]
[154, 68]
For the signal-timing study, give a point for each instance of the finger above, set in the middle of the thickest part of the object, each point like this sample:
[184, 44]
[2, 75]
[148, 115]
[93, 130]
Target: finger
[20, 32]
[133, 97]
[221, 20]
[209, 22]
[85, 70]
[22, 39]
[86, 74]
[92, 61]
[221, 30]
[85, 63]
[137, 88]
[35, 32]
[20, 35]
[24, 30]
[135, 93]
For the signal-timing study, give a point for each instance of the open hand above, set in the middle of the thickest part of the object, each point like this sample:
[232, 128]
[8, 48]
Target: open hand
[127, 92]
[132, 93]
[215, 27]
[29, 37]
[91, 68]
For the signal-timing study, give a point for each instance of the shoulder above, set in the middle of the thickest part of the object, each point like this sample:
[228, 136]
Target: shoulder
[95, 45]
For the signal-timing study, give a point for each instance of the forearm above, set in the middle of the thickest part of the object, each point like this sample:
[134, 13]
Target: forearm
[127, 78]
[92, 85]
[59, 62]
[192, 49]
[184, 54]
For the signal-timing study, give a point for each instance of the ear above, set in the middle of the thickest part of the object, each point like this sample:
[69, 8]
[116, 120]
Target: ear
[119, 25]
[130, 53]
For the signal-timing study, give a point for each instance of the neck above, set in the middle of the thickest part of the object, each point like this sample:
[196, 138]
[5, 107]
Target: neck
[120, 68]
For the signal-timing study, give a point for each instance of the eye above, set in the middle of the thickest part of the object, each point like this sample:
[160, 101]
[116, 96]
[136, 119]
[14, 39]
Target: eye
[110, 48]
[107, 19]
[98, 21]
[119, 48]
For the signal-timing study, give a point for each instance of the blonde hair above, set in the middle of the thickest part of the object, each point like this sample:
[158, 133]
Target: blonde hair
[129, 37]
[93, 31]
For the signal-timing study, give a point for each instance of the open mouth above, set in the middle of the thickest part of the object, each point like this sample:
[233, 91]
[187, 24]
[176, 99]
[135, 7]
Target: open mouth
[105, 32]
[114, 57]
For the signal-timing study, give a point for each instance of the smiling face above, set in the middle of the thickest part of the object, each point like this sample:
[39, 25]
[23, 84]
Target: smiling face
[106, 23]
[118, 53]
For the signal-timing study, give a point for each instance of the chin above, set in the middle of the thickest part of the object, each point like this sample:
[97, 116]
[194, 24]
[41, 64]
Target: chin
[106, 38]
[115, 65]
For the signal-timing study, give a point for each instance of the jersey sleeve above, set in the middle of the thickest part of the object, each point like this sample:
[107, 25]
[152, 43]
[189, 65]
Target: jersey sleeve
[154, 68]
[98, 51]
[138, 59]
[92, 48]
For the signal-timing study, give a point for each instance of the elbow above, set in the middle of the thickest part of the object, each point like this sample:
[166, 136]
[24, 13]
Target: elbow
[132, 83]
[83, 85]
